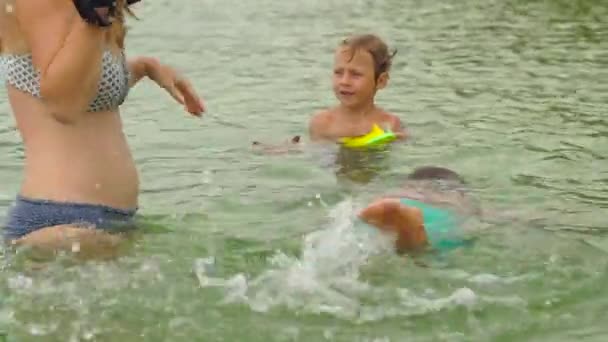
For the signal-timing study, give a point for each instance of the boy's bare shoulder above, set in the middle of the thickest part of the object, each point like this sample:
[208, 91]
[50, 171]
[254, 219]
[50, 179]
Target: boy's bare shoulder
[320, 122]
[325, 115]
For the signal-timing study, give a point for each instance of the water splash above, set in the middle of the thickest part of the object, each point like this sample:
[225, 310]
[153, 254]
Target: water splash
[327, 278]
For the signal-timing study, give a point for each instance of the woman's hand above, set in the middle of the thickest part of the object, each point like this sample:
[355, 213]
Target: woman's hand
[167, 78]
[177, 86]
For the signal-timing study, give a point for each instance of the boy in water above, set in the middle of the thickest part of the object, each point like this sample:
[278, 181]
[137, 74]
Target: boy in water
[361, 68]
[426, 212]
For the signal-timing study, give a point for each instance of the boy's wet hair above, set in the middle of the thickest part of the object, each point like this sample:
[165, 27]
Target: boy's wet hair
[436, 173]
[376, 47]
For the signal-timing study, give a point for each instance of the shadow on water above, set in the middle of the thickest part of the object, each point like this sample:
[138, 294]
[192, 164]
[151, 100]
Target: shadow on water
[361, 166]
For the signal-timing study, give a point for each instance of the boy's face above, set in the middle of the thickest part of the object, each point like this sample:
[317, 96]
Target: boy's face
[353, 80]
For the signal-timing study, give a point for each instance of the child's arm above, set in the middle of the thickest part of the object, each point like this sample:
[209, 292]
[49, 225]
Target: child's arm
[291, 146]
[390, 216]
[398, 129]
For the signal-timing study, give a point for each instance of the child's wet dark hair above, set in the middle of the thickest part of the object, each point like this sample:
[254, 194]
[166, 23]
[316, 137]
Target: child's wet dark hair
[444, 180]
[440, 178]
[375, 46]
[436, 173]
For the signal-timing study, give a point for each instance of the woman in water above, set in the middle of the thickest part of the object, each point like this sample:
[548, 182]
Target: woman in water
[67, 75]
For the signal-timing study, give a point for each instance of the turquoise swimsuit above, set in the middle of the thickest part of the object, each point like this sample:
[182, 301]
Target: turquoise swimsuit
[441, 225]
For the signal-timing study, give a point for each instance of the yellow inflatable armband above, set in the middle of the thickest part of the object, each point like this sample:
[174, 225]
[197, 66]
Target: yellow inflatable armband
[375, 137]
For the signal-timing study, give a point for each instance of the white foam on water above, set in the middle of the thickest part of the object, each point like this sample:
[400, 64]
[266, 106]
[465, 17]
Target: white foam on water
[325, 278]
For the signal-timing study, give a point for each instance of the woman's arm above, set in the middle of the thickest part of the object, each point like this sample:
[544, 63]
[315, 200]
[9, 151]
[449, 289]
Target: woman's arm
[137, 70]
[67, 52]
[167, 78]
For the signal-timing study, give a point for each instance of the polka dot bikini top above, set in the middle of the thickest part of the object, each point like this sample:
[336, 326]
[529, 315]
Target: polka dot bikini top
[111, 92]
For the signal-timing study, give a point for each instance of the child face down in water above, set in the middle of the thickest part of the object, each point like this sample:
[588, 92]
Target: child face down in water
[425, 212]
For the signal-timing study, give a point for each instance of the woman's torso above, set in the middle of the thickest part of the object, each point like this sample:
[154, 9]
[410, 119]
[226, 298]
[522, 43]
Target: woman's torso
[88, 161]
